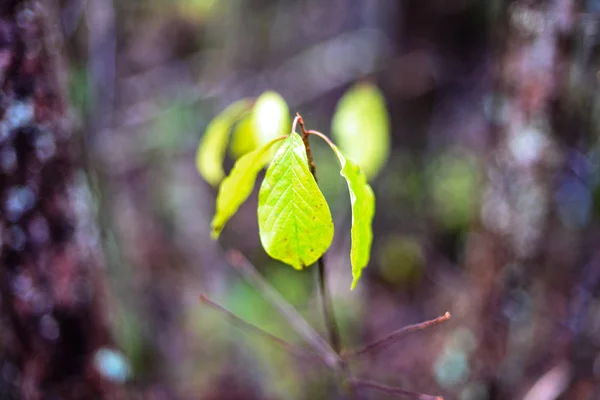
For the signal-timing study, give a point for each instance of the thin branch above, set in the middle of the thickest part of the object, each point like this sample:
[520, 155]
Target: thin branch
[243, 324]
[331, 325]
[386, 340]
[394, 390]
[306, 332]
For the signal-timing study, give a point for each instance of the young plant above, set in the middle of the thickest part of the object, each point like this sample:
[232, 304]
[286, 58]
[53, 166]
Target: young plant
[295, 223]
[294, 220]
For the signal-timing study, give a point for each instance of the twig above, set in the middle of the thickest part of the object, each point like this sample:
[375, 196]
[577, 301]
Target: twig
[394, 390]
[384, 341]
[295, 123]
[311, 162]
[308, 334]
[295, 350]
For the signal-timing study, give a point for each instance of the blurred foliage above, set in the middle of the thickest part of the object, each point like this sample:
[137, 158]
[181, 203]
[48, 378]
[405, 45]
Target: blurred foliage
[401, 260]
[454, 183]
[361, 127]
[270, 117]
[211, 152]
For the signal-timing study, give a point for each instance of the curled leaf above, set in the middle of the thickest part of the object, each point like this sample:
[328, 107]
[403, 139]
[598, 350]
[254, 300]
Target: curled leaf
[236, 188]
[294, 220]
[211, 151]
[361, 128]
[362, 201]
[243, 139]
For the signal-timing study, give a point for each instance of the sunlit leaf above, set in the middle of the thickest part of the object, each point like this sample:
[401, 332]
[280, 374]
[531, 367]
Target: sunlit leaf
[294, 220]
[269, 119]
[270, 116]
[211, 152]
[236, 188]
[361, 128]
[362, 201]
[243, 139]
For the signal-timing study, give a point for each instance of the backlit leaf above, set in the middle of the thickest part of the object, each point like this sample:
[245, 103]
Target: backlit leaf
[269, 119]
[211, 151]
[361, 128]
[362, 201]
[243, 139]
[270, 116]
[236, 188]
[294, 220]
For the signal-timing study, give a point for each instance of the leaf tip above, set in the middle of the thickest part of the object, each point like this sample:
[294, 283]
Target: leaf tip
[215, 231]
[298, 267]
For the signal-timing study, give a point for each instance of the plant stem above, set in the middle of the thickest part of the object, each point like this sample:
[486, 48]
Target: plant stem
[326, 303]
[330, 323]
[296, 321]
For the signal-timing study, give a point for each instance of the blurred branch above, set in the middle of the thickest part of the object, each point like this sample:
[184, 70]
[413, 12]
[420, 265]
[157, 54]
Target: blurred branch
[102, 47]
[294, 350]
[386, 340]
[294, 77]
[296, 321]
[391, 390]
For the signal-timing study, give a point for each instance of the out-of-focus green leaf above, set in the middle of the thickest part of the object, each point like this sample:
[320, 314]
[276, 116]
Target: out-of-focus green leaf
[270, 117]
[362, 200]
[401, 260]
[198, 7]
[236, 188]
[361, 128]
[268, 120]
[211, 151]
[454, 181]
[294, 220]
[244, 138]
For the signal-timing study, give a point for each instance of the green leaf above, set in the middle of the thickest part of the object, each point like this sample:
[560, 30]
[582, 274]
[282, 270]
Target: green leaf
[270, 117]
[362, 201]
[294, 220]
[361, 127]
[268, 120]
[211, 151]
[454, 182]
[244, 139]
[236, 188]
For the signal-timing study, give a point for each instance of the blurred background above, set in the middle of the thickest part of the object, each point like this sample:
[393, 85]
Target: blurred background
[487, 206]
